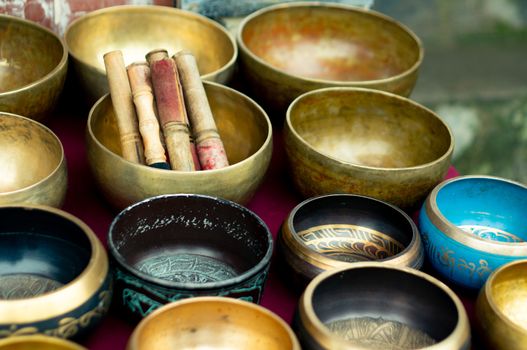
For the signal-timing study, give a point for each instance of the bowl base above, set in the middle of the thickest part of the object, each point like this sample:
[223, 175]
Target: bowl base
[25, 285]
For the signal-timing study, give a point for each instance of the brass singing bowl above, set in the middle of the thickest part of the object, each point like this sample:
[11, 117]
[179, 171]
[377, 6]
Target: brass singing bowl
[32, 163]
[213, 323]
[243, 126]
[33, 65]
[38, 342]
[292, 48]
[136, 30]
[501, 307]
[366, 142]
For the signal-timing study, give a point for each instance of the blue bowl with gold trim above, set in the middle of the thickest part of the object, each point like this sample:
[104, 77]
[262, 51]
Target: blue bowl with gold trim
[471, 225]
[54, 276]
[177, 246]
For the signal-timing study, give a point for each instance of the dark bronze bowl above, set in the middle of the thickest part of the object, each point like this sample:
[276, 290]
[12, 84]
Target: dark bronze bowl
[53, 273]
[378, 306]
[172, 247]
[327, 232]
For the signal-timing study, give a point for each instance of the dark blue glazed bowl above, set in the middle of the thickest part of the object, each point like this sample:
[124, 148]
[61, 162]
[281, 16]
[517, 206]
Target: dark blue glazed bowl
[178, 246]
[472, 225]
[54, 275]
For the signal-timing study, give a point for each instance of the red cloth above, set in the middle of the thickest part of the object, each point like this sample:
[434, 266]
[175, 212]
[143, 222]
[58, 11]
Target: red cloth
[272, 202]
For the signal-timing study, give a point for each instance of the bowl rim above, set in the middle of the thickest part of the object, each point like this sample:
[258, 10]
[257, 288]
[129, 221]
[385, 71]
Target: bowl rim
[41, 339]
[457, 337]
[176, 173]
[518, 249]
[50, 75]
[143, 9]
[132, 342]
[353, 90]
[350, 8]
[69, 296]
[57, 169]
[261, 265]
[414, 246]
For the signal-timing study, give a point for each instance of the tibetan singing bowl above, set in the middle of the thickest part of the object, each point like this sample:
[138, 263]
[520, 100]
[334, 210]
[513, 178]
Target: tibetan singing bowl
[472, 225]
[338, 230]
[376, 306]
[172, 247]
[289, 49]
[54, 276]
[37, 342]
[244, 129]
[32, 163]
[366, 142]
[136, 30]
[213, 323]
[33, 65]
[501, 307]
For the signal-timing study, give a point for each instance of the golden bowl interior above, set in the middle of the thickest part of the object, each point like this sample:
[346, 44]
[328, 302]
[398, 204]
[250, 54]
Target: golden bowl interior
[28, 53]
[331, 43]
[367, 128]
[38, 342]
[29, 153]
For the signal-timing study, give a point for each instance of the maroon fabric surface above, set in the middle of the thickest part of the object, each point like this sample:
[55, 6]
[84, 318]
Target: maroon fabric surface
[272, 202]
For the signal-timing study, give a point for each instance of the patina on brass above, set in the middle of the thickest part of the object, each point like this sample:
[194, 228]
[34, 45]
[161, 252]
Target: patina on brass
[32, 163]
[213, 323]
[245, 131]
[367, 142]
[292, 48]
[33, 65]
[501, 307]
[137, 30]
[38, 342]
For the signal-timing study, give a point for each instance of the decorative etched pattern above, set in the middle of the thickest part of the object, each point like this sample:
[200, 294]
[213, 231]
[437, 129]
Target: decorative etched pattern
[184, 267]
[378, 333]
[491, 234]
[22, 286]
[350, 242]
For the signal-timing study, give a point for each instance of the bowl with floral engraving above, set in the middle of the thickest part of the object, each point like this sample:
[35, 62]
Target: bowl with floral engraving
[471, 225]
[371, 305]
[338, 230]
[179, 246]
[54, 276]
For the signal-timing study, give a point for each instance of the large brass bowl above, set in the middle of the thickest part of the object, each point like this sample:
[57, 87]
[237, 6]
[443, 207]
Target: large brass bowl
[136, 30]
[33, 65]
[32, 163]
[367, 142]
[38, 342]
[213, 323]
[289, 49]
[243, 126]
[501, 308]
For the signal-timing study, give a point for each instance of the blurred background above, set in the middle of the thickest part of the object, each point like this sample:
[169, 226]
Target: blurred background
[474, 73]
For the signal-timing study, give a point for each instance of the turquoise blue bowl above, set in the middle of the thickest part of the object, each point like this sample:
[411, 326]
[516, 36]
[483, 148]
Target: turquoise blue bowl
[471, 225]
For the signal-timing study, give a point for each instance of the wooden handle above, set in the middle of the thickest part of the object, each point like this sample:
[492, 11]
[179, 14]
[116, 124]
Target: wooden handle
[131, 143]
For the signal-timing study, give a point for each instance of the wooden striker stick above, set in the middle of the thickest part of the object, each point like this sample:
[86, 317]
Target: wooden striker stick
[131, 143]
[140, 83]
[211, 151]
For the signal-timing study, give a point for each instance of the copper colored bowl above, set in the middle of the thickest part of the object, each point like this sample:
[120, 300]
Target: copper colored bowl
[213, 323]
[366, 142]
[33, 65]
[38, 342]
[292, 48]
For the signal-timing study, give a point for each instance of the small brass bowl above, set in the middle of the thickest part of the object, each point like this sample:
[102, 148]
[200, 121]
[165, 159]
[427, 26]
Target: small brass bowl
[244, 128]
[327, 232]
[32, 163]
[501, 308]
[366, 142]
[54, 276]
[213, 323]
[377, 306]
[33, 65]
[38, 342]
[172, 247]
[289, 49]
[136, 30]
